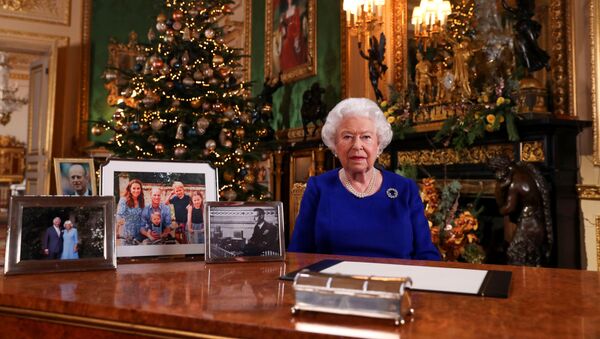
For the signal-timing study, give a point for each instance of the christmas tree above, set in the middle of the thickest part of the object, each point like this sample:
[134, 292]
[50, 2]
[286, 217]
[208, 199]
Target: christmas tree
[185, 99]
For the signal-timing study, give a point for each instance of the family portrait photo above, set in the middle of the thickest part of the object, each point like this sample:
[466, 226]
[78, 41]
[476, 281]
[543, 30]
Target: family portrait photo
[75, 177]
[159, 211]
[66, 230]
[240, 231]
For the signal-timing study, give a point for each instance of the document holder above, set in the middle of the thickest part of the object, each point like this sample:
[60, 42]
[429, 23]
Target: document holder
[376, 297]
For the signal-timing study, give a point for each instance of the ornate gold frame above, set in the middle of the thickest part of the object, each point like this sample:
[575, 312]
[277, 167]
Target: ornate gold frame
[54, 12]
[562, 58]
[598, 241]
[595, 66]
[304, 70]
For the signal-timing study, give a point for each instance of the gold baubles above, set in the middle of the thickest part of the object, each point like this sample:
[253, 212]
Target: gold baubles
[159, 148]
[156, 124]
[218, 59]
[97, 130]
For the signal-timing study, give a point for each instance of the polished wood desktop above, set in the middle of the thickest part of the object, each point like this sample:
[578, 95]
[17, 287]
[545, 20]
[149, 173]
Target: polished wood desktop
[195, 299]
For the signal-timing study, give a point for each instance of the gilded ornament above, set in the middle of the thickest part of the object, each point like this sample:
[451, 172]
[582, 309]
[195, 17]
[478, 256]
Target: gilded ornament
[217, 59]
[159, 148]
[156, 124]
[97, 130]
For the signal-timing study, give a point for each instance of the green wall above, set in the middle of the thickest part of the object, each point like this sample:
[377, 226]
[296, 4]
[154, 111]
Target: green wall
[288, 99]
[114, 18]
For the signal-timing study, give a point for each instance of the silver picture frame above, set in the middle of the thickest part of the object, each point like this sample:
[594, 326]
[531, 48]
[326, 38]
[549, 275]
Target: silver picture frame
[244, 231]
[30, 220]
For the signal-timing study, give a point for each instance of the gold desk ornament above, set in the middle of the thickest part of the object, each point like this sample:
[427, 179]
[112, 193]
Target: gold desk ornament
[376, 297]
[532, 96]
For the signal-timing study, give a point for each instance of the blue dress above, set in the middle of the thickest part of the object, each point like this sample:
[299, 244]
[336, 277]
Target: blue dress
[69, 242]
[389, 224]
[133, 220]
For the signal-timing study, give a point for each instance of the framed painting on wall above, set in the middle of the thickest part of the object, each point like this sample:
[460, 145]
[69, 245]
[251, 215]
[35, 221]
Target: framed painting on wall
[290, 43]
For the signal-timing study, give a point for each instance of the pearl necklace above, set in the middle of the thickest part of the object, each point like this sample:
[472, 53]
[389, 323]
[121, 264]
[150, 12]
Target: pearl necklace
[370, 187]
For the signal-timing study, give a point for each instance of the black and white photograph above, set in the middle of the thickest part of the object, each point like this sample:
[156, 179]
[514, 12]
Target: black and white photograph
[159, 205]
[244, 231]
[50, 234]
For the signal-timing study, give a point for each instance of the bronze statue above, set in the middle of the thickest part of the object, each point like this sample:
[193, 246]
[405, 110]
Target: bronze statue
[313, 108]
[269, 87]
[375, 58]
[423, 76]
[523, 197]
[527, 31]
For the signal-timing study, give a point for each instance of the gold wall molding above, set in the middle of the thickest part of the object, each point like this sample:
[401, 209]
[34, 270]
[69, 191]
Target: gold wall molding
[531, 151]
[50, 11]
[598, 241]
[595, 67]
[84, 95]
[588, 192]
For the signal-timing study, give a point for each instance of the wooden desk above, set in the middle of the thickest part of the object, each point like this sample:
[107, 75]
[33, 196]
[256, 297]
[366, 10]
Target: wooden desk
[193, 299]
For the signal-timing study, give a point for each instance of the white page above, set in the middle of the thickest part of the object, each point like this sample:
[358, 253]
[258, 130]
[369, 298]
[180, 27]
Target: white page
[456, 280]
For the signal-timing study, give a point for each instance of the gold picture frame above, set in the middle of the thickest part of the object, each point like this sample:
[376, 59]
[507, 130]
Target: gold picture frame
[29, 248]
[595, 66]
[290, 51]
[75, 176]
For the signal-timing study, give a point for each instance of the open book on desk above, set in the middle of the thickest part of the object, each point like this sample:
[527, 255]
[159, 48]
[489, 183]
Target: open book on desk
[486, 283]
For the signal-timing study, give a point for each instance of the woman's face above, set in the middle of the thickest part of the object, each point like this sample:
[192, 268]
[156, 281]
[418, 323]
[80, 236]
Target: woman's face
[68, 226]
[356, 144]
[197, 201]
[136, 190]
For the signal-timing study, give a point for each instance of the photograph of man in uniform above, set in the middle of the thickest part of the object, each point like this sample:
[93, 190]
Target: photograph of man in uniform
[265, 237]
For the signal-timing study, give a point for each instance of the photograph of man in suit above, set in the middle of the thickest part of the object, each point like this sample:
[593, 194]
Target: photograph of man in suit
[265, 236]
[53, 241]
[78, 181]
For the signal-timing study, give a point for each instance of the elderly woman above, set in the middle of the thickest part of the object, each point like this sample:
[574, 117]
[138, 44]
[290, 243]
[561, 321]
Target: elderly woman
[359, 209]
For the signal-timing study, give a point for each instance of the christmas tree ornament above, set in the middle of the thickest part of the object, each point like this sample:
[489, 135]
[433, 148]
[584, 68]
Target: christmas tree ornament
[186, 34]
[193, 12]
[202, 123]
[118, 115]
[161, 27]
[152, 139]
[249, 178]
[177, 26]
[134, 126]
[209, 33]
[97, 129]
[227, 143]
[245, 117]
[191, 132]
[157, 63]
[180, 130]
[185, 58]
[209, 72]
[200, 131]
[156, 124]
[240, 132]
[262, 132]
[228, 176]
[180, 150]
[159, 148]
[161, 17]
[229, 195]
[177, 15]
[198, 75]
[151, 35]
[229, 114]
[196, 104]
[170, 85]
[224, 71]
[188, 81]
[218, 59]
[206, 106]
[210, 145]
[239, 151]
[195, 34]
[148, 102]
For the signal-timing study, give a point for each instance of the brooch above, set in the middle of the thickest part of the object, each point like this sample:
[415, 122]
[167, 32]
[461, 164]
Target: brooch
[392, 193]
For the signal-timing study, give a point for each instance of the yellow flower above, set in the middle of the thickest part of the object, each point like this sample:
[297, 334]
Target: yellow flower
[489, 128]
[501, 118]
[383, 104]
[477, 115]
[500, 101]
[391, 120]
[490, 118]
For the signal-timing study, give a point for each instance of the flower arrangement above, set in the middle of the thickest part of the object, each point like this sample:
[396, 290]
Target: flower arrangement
[453, 230]
[398, 112]
[462, 130]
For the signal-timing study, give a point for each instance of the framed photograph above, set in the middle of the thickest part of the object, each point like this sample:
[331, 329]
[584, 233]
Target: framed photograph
[290, 43]
[56, 234]
[159, 205]
[75, 176]
[244, 231]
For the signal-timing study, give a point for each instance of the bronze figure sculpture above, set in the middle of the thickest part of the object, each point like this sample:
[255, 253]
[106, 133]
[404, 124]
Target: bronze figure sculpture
[313, 108]
[375, 58]
[523, 198]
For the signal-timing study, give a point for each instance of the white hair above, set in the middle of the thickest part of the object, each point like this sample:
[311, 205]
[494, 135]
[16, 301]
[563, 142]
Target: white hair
[356, 107]
[68, 222]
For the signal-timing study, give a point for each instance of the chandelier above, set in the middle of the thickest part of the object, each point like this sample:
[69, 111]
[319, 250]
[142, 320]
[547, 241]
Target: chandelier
[430, 17]
[363, 15]
[8, 99]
